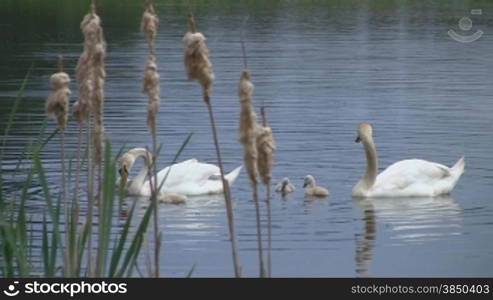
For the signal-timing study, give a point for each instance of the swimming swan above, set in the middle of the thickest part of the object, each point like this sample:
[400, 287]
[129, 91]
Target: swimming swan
[190, 177]
[405, 178]
[312, 189]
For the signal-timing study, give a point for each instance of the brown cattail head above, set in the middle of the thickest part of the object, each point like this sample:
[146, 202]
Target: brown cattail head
[91, 27]
[91, 75]
[197, 62]
[81, 106]
[149, 25]
[248, 124]
[82, 74]
[90, 66]
[266, 146]
[57, 104]
[152, 89]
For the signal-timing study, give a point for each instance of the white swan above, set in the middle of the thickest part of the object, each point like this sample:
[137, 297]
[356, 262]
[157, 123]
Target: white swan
[405, 178]
[189, 177]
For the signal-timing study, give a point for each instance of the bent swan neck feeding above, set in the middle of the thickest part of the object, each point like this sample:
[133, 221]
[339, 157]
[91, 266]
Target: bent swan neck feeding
[371, 163]
[142, 177]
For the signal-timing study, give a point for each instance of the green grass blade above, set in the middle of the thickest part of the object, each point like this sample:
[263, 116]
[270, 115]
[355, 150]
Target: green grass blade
[115, 259]
[107, 204]
[134, 248]
[190, 272]
[8, 245]
[45, 247]
[55, 239]
[14, 108]
[81, 244]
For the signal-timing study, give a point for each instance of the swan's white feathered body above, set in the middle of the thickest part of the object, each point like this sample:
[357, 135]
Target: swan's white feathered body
[413, 178]
[190, 177]
[405, 178]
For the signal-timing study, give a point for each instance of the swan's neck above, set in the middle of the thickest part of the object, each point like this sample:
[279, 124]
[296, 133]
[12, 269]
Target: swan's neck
[143, 175]
[371, 163]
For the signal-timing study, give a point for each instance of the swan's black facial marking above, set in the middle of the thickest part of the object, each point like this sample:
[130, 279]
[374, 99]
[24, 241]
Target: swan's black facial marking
[124, 174]
[357, 139]
[122, 169]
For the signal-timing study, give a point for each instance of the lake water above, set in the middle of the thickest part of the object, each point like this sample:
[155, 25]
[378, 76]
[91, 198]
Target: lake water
[319, 68]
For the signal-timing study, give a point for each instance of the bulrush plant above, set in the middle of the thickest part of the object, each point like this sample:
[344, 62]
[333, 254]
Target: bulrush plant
[57, 106]
[117, 259]
[149, 25]
[91, 75]
[266, 146]
[199, 67]
[248, 138]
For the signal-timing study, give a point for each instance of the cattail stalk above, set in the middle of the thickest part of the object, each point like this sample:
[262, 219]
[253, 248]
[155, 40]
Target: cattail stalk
[91, 75]
[266, 147]
[57, 106]
[199, 67]
[75, 203]
[90, 193]
[149, 25]
[80, 113]
[248, 138]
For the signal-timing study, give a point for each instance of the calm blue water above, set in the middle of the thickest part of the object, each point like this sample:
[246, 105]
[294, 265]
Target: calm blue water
[319, 70]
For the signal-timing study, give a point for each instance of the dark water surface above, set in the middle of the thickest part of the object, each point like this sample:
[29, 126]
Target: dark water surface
[320, 68]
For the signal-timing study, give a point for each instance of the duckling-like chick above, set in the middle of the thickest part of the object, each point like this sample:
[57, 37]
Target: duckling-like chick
[311, 188]
[172, 198]
[285, 186]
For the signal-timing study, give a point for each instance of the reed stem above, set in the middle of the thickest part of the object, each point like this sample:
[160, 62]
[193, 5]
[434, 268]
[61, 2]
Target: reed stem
[75, 205]
[157, 233]
[269, 230]
[65, 206]
[90, 197]
[269, 214]
[226, 191]
[259, 229]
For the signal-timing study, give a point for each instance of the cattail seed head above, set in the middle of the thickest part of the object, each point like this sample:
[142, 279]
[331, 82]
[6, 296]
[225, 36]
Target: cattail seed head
[81, 106]
[149, 25]
[57, 104]
[90, 68]
[197, 62]
[90, 76]
[248, 124]
[266, 146]
[152, 89]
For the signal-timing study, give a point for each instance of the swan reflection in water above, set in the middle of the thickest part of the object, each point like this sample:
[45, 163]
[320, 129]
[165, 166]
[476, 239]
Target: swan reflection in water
[189, 214]
[410, 220]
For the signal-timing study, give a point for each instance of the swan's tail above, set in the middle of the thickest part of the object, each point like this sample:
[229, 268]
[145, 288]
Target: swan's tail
[459, 166]
[447, 184]
[231, 176]
[456, 171]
